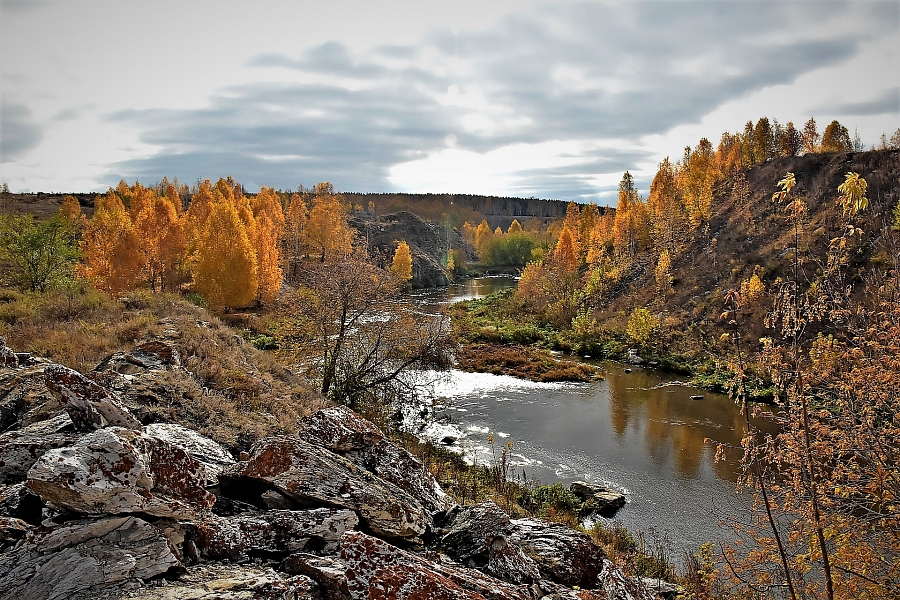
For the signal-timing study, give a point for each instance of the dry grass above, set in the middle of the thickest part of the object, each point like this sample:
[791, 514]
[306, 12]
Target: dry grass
[521, 361]
[231, 391]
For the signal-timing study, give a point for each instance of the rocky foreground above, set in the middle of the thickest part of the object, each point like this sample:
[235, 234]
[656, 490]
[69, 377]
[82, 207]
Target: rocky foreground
[96, 504]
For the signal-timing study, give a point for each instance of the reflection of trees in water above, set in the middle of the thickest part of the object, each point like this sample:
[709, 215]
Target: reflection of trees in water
[675, 426]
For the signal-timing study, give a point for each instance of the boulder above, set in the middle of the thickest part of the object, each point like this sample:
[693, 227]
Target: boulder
[469, 531]
[21, 389]
[339, 428]
[229, 582]
[562, 554]
[621, 587]
[273, 533]
[210, 454]
[597, 499]
[313, 475]
[19, 450]
[397, 466]
[375, 565]
[148, 356]
[8, 358]
[11, 530]
[90, 405]
[330, 574]
[118, 471]
[83, 559]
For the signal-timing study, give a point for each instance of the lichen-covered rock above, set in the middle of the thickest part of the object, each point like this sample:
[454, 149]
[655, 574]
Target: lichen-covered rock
[469, 531]
[118, 471]
[90, 405]
[148, 356]
[313, 475]
[563, 554]
[209, 453]
[8, 358]
[338, 428]
[230, 582]
[376, 569]
[621, 587]
[273, 532]
[397, 466]
[20, 390]
[329, 573]
[82, 559]
[12, 530]
[19, 450]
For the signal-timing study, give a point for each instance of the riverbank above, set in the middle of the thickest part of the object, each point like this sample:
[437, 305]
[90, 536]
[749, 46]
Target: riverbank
[482, 325]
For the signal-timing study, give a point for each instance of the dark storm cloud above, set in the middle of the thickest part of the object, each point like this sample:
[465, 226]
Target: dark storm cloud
[578, 72]
[18, 133]
[886, 103]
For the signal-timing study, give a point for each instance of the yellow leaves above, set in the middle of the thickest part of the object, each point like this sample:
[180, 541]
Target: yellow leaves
[226, 272]
[853, 190]
[663, 269]
[786, 184]
[753, 289]
[566, 253]
[401, 266]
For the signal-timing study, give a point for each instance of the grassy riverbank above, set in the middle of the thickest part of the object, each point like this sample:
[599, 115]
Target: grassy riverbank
[497, 335]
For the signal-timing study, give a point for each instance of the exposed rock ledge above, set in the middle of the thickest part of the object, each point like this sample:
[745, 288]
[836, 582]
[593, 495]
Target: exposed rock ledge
[93, 503]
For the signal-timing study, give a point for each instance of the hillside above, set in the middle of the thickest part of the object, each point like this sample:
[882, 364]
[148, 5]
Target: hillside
[756, 236]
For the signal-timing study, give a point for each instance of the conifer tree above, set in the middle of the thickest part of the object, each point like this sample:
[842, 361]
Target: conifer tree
[514, 227]
[401, 266]
[810, 137]
[226, 269]
[836, 138]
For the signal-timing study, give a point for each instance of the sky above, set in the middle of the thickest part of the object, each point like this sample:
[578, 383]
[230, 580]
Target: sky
[515, 98]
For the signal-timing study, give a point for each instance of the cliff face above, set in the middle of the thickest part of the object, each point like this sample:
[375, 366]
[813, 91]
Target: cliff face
[97, 501]
[428, 244]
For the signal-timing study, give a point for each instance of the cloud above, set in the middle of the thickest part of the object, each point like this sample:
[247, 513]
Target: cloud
[573, 74]
[18, 133]
[888, 102]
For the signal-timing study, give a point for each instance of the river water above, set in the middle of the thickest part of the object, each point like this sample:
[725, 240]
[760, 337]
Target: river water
[638, 432]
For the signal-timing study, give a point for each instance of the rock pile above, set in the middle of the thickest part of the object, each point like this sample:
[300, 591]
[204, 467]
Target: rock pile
[93, 503]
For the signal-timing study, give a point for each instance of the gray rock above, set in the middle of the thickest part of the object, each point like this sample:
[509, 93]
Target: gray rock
[597, 499]
[330, 574]
[313, 475]
[273, 533]
[12, 530]
[373, 564]
[213, 581]
[20, 389]
[90, 405]
[209, 453]
[18, 501]
[620, 587]
[19, 450]
[338, 428]
[118, 471]
[8, 358]
[562, 554]
[148, 356]
[84, 559]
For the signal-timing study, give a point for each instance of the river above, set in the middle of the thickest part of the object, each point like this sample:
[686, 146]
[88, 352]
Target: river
[638, 432]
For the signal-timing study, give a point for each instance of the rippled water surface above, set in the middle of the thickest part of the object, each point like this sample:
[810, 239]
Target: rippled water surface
[639, 432]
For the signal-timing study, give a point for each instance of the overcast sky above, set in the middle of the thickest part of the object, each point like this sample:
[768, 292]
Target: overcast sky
[545, 99]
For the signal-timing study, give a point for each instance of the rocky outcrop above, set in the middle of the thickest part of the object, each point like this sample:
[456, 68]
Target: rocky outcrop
[78, 560]
[89, 405]
[313, 475]
[8, 358]
[120, 471]
[108, 506]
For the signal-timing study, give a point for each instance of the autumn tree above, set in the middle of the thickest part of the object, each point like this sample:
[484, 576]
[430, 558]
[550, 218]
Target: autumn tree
[667, 217]
[514, 227]
[810, 137]
[327, 231]
[401, 266]
[70, 210]
[226, 270]
[110, 246]
[266, 233]
[160, 238]
[295, 229]
[696, 177]
[836, 138]
[791, 141]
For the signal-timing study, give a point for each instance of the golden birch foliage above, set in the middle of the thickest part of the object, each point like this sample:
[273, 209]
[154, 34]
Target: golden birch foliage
[666, 215]
[268, 258]
[401, 266]
[110, 247]
[161, 241]
[197, 214]
[174, 199]
[514, 227]
[226, 269]
[695, 178]
[327, 232]
[483, 235]
[498, 232]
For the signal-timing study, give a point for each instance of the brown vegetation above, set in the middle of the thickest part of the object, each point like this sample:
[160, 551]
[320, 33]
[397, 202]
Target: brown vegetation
[522, 361]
